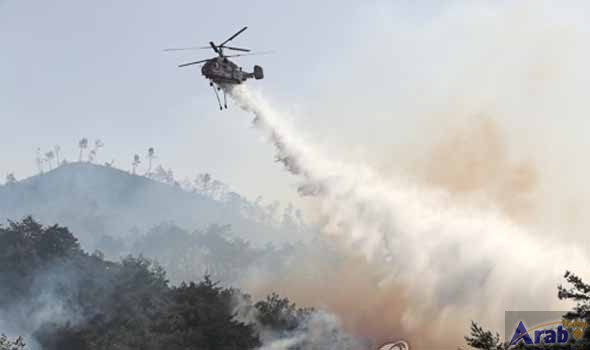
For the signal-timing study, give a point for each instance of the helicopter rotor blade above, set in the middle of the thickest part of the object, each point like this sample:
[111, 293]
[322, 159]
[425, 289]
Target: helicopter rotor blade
[204, 48]
[192, 63]
[187, 48]
[236, 48]
[260, 53]
[216, 48]
[233, 36]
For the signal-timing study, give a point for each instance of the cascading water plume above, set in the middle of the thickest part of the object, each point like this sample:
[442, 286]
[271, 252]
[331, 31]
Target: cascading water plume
[452, 264]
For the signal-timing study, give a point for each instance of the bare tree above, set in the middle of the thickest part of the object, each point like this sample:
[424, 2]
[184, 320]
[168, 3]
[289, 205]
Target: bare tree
[98, 144]
[10, 179]
[49, 156]
[206, 185]
[163, 175]
[39, 160]
[136, 162]
[83, 144]
[202, 183]
[56, 150]
[91, 156]
[151, 156]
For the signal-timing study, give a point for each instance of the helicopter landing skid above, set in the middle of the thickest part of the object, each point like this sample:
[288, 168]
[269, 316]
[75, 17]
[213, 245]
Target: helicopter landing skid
[218, 99]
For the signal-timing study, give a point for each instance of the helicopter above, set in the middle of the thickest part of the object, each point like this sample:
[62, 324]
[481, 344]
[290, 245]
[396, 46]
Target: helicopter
[222, 72]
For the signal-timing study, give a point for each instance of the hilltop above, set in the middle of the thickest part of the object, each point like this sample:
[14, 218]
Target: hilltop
[95, 201]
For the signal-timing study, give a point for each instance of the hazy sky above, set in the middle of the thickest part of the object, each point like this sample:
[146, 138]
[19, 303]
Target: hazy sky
[370, 79]
[374, 82]
[71, 69]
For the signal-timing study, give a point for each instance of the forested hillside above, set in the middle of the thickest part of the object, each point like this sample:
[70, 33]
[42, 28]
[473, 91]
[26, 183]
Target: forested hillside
[60, 297]
[97, 201]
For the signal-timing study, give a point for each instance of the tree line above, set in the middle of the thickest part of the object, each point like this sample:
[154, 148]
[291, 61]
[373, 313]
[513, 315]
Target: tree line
[122, 305]
[52, 158]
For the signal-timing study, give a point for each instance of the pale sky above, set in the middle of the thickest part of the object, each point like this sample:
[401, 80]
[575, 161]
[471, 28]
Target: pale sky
[371, 81]
[71, 69]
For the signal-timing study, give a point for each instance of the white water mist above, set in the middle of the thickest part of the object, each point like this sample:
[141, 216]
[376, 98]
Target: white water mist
[454, 263]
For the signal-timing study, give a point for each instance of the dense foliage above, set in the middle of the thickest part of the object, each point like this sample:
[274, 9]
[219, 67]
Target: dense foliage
[64, 298]
[215, 251]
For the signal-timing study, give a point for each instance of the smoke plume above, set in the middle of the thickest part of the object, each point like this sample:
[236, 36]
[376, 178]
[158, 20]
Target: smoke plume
[427, 263]
[474, 164]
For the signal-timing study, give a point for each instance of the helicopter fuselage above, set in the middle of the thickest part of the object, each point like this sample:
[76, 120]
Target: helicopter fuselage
[221, 71]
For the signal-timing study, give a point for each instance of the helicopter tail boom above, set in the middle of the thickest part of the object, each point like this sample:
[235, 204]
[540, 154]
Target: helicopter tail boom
[257, 74]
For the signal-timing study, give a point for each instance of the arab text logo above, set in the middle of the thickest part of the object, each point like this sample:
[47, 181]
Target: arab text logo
[558, 332]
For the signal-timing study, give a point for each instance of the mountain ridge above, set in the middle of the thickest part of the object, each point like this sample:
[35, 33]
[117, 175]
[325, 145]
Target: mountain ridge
[96, 200]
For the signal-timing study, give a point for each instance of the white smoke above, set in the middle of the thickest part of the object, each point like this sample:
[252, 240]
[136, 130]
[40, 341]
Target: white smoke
[283, 344]
[46, 305]
[454, 263]
[320, 331]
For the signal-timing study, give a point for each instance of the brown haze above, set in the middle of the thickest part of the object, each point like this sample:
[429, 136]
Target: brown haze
[474, 163]
[451, 260]
[355, 290]
[523, 65]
